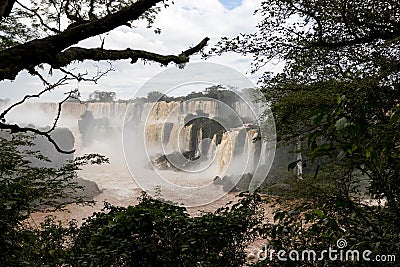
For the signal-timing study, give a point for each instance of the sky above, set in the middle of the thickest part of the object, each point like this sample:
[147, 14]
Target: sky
[231, 4]
[183, 24]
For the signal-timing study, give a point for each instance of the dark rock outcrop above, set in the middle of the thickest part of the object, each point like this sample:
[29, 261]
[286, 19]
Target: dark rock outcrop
[234, 183]
[65, 140]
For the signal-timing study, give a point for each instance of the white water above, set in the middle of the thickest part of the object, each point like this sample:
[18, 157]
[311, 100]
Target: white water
[116, 180]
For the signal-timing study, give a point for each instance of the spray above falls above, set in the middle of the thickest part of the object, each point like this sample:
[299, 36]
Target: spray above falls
[201, 144]
[191, 134]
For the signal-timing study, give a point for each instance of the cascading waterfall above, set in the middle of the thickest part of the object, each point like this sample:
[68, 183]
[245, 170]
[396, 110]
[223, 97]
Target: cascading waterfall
[165, 131]
[224, 152]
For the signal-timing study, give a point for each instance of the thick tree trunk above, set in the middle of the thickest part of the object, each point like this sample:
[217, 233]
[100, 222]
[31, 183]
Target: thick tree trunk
[35, 52]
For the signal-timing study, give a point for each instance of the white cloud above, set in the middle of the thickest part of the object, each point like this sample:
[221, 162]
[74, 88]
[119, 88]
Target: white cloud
[182, 25]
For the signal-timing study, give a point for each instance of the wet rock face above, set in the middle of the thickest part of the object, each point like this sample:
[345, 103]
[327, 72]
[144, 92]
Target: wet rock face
[86, 127]
[65, 140]
[88, 191]
[91, 128]
[186, 159]
[204, 128]
[234, 183]
[162, 163]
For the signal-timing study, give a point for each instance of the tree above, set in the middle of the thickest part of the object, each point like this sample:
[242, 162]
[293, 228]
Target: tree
[102, 96]
[45, 34]
[324, 44]
[155, 96]
[75, 97]
[338, 95]
[26, 188]
[222, 94]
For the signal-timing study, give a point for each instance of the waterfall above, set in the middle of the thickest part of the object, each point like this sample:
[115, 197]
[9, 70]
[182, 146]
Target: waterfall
[227, 152]
[224, 153]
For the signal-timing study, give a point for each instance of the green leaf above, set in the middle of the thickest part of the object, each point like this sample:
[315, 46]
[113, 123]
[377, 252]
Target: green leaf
[352, 149]
[340, 99]
[395, 117]
[341, 124]
[319, 213]
[368, 152]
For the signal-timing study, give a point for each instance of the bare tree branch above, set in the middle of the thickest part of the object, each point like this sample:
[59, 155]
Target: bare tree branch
[34, 12]
[69, 95]
[18, 129]
[35, 52]
[26, 97]
[81, 76]
[196, 48]
[15, 128]
[77, 53]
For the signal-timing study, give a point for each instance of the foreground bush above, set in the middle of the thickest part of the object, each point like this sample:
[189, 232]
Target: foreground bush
[155, 233]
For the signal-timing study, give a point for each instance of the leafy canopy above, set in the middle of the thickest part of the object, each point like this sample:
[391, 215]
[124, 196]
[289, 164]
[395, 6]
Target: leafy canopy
[337, 97]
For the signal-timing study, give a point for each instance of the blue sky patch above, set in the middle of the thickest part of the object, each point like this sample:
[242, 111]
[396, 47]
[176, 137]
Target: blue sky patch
[231, 4]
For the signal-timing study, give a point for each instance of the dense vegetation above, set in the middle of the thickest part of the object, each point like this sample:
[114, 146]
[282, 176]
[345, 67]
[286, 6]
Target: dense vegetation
[152, 233]
[25, 187]
[338, 97]
[216, 92]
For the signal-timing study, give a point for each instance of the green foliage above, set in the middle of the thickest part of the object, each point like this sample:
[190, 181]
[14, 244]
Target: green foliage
[25, 188]
[217, 92]
[102, 96]
[154, 233]
[222, 94]
[45, 245]
[338, 97]
[155, 96]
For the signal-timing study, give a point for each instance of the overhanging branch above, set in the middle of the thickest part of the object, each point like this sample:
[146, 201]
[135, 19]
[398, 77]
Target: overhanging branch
[80, 54]
[17, 129]
[30, 54]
